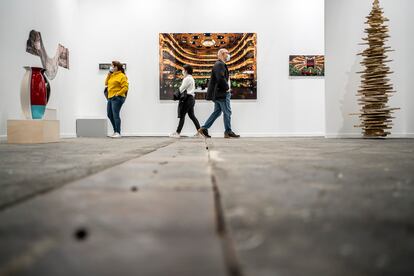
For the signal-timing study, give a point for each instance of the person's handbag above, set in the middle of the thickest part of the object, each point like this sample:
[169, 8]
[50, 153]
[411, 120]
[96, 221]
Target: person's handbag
[180, 96]
[183, 95]
[106, 92]
[176, 95]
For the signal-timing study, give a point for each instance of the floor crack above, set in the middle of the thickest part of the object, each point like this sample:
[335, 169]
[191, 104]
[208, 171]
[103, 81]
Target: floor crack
[230, 256]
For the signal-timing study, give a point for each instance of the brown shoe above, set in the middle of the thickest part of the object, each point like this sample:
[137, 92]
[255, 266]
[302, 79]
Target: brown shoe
[231, 134]
[204, 132]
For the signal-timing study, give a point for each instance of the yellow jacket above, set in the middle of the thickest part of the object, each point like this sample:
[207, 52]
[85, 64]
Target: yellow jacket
[117, 84]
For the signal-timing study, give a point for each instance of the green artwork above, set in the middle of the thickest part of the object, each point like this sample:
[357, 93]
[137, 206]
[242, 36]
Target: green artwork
[306, 65]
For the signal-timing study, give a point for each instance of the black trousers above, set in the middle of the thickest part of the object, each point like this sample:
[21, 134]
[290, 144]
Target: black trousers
[187, 107]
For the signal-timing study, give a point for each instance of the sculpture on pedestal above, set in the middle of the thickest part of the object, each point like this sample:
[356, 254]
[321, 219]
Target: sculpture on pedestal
[35, 87]
[375, 90]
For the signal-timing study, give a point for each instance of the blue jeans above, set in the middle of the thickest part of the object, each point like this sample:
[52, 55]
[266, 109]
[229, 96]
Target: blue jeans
[221, 106]
[113, 109]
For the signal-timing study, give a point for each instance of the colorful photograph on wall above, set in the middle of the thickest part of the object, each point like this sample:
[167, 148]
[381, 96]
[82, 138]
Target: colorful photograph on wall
[306, 66]
[200, 51]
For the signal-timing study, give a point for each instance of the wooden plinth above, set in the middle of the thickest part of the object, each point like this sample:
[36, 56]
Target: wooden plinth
[32, 131]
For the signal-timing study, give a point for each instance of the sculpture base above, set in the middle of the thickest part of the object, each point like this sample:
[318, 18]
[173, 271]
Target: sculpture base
[32, 131]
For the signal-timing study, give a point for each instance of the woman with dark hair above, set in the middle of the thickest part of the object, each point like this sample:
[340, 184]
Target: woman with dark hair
[117, 83]
[187, 101]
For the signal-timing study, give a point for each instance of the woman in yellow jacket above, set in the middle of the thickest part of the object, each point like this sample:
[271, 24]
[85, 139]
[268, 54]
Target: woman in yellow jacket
[117, 83]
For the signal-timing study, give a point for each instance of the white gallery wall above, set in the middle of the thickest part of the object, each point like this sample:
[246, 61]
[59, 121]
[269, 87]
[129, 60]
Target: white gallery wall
[127, 30]
[56, 20]
[344, 30]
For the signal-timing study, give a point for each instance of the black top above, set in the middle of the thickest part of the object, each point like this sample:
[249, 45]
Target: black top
[219, 82]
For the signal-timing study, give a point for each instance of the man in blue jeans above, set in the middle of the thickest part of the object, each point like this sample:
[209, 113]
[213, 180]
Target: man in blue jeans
[219, 92]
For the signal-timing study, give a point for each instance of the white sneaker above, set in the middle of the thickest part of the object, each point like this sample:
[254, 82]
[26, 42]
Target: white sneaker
[116, 135]
[198, 135]
[175, 135]
[110, 136]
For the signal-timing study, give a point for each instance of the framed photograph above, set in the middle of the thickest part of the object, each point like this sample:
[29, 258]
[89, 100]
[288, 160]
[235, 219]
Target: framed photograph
[306, 66]
[200, 51]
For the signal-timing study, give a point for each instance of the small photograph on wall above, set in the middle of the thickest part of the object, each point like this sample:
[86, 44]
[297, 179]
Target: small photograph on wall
[301, 66]
[107, 66]
[200, 51]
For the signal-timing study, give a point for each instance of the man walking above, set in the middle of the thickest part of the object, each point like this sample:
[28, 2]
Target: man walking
[219, 92]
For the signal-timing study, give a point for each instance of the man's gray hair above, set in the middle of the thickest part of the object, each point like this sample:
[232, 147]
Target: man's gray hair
[221, 51]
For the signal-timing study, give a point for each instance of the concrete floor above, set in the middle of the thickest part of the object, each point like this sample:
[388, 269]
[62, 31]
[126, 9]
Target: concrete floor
[253, 207]
[27, 170]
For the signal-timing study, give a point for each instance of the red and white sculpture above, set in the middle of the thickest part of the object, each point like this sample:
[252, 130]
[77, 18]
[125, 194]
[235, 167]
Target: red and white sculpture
[35, 87]
[34, 93]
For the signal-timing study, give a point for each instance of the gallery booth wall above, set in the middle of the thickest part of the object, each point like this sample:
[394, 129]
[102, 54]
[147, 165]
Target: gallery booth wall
[344, 30]
[284, 105]
[128, 30]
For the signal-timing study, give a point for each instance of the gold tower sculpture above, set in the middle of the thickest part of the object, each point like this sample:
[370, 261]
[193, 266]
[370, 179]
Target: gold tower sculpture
[375, 115]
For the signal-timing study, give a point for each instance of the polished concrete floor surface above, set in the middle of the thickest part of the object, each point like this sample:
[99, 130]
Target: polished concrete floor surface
[195, 207]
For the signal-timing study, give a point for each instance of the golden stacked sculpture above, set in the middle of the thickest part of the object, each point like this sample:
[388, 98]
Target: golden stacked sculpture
[375, 90]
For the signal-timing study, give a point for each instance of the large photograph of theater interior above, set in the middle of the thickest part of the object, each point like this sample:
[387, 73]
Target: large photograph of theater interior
[200, 51]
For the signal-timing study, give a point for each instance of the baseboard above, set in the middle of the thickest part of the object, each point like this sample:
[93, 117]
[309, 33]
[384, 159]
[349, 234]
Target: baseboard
[359, 135]
[281, 134]
[403, 135]
[220, 134]
[343, 135]
[251, 135]
[67, 135]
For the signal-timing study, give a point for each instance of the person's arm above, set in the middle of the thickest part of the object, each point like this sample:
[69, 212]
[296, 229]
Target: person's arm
[124, 86]
[185, 84]
[107, 79]
[220, 74]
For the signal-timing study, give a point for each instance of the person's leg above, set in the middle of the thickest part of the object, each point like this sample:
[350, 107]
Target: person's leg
[185, 106]
[110, 114]
[216, 113]
[116, 109]
[181, 124]
[227, 114]
[192, 115]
